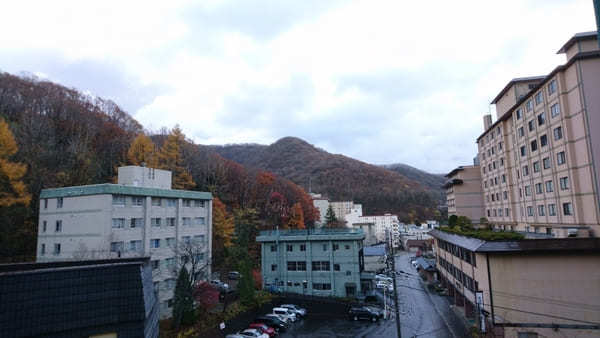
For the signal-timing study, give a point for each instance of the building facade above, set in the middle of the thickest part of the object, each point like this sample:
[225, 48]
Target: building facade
[102, 298]
[321, 262]
[464, 193]
[139, 216]
[383, 223]
[531, 287]
[540, 160]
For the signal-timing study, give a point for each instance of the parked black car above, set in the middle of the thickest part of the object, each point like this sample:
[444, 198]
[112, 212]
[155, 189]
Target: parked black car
[364, 312]
[275, 323]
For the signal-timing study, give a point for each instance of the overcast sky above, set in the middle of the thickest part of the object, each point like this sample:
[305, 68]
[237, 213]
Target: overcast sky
[379, 81]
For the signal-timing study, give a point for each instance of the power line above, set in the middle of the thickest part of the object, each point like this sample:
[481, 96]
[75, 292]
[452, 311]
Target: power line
[579, 306]
[547, 315]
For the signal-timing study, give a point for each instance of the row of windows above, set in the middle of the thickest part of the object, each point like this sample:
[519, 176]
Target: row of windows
[316, 266]
[541, 210]
[302, 247]
[561, 158]
[157, 243]
[460, 252]
[57, 226]
[59, 203]
[119, 223]
[533, 145]
[56, 250]
[498, 212]
[467, 281]
[120, 200]
[169, 263]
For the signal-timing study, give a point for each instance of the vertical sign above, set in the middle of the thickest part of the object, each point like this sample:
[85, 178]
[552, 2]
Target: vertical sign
[479, 301]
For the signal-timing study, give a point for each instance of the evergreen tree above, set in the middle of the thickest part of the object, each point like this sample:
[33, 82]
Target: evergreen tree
[142, 150]
[12, 189]
[246, 284]
[170, 158]
[330, 219]
[183, 301]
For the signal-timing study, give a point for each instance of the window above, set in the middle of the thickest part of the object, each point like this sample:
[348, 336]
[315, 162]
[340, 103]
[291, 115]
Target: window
[539, 188]
[567, 209]
[528, 190]
[291, 266]
[541, 210]
[546, 162]
[529, 105]
[116, 246]
[551, 209]
[507, 210]
[289, 248]
[549, 186]
[155, 243]
[44, 225]
[521, 132]
[519, 113]
[347, 247]
[529, 211]
[43, 249]
[187, 221]
[560, 157]
[171, 202]
[273, 248]
[273, 267]
[199, 239]
[555, 110]
[155, 264]
[187, 203]
[171, 242]
[525, 170]
[501, 161]
[118, 200]
[494, 164]
[199, 221]
[321, 286]
[536, 166]
[137, 201]
[564, 183]
[505, 195]
[557, 133]
[156, 201]
[552, 87]
[336, 267]
[302, 247]
[199, 204]
[541, 119]
[45, 203]
[186, 239]
[118, 223]
[530, 125]
[324, 247]
[543, 140]
[539, 98]
[495, 213]
[155, 222]
[533, 145]
[171, 221]
[523, 151]
[57, 248]
[59, 202]
[500, 212]
[136, 223]
[348, 273]
[500, 146]
[170, 263]
[336, 247]
[301, 266]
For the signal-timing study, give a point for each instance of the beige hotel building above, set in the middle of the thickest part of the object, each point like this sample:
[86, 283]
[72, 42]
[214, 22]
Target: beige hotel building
[540, 159]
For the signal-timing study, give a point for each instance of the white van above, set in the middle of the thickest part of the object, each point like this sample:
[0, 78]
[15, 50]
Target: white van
[285, 312]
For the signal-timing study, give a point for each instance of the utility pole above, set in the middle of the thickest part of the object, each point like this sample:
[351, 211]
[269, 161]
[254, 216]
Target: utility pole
[395, 289]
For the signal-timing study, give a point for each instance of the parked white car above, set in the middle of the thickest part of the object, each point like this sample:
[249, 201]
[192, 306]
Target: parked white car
[254, 333]
[382, 285]
[379, 278]
[299, 311]
[291, 314]
[285, 319]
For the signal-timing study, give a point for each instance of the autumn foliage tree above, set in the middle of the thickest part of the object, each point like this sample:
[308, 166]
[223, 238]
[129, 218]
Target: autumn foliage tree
[170, 158]
[223, 231]
[12, 189]
[142, 151]
[296, 217]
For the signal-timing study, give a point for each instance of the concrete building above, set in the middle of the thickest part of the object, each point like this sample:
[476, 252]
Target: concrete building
[381, 222]
[322, 261]
[375, 257]
[343, 208]
[322, 204]
[104, 298]
[139, 216]
[529, 288]
[540, 159]
[464, 193]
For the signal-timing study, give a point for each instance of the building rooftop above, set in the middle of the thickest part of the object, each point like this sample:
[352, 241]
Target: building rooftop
[374, 250]
[314, 234]
[61, 265]
[578, 37]
[522, 245]
[515, 81]
[119, 189]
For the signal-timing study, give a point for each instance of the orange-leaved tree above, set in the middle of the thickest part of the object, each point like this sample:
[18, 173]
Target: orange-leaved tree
[170, 158]
[12, 189]
[296, 217]
[142, 151]
[223, 231]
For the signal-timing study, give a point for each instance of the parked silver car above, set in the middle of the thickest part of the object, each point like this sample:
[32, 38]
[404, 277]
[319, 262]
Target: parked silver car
[298, 310]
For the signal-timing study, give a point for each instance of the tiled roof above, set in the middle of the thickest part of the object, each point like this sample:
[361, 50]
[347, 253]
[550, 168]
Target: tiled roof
[119, 189]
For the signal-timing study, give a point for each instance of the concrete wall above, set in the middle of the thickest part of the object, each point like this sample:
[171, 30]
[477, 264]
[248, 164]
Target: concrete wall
[144, 177]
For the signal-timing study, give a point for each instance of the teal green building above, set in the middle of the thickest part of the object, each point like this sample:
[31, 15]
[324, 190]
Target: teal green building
[320, 262]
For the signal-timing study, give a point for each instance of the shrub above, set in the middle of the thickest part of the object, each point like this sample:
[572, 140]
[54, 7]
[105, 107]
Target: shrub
[484, 234]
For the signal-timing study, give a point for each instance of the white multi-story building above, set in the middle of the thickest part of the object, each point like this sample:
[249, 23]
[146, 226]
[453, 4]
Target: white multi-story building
[139, 216]
[381, 223]
[340, 209]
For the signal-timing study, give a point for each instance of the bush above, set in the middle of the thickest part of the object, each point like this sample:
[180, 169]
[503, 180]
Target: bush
[484, 234]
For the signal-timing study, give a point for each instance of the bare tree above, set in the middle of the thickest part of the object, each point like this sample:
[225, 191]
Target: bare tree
[191, 255]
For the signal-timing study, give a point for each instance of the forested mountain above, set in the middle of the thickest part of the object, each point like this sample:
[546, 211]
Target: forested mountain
[338, 177]
[432, 182]
[67, 138]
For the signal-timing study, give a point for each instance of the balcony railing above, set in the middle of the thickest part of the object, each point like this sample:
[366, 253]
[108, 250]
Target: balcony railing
[313, 231]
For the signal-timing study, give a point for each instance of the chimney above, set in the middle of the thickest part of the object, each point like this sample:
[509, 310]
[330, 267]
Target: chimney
[487, 121]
